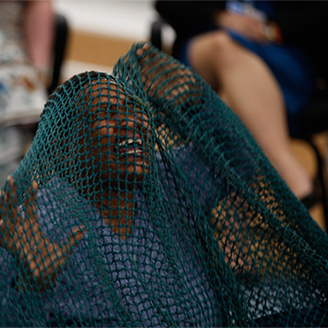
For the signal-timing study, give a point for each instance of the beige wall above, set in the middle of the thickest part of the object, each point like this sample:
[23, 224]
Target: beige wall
[97, 49]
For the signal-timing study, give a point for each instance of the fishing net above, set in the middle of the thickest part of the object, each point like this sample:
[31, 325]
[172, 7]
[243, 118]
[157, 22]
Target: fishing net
[144, 201]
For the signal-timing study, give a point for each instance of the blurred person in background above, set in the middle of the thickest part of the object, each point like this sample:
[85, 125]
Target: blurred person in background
[266, 59]
[26, 42]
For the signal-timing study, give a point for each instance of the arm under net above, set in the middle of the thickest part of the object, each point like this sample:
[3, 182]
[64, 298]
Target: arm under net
[258, 221]
[183, 103]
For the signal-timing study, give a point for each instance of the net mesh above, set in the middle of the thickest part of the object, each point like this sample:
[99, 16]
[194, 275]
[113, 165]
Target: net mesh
[144, 201]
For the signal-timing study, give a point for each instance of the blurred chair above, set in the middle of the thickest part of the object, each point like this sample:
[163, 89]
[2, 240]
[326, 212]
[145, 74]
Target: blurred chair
[312, 120]
[156, 32]
[60, 44]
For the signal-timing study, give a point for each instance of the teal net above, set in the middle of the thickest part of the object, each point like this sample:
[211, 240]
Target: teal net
[144, 201]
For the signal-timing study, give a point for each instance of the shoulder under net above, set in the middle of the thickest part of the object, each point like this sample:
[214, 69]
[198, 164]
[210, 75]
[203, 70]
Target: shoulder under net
[144, 201]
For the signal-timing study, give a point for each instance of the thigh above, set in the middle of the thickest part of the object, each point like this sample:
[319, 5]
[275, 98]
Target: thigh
[211, 54]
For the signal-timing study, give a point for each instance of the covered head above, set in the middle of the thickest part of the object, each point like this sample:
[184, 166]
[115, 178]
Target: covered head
[94, 132]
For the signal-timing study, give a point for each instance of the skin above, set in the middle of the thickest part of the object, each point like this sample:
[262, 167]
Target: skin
[180, 83]
[115, 168]
[41, 259]
[248, 26]
[248, 86]
[39, 28]
[116, 172]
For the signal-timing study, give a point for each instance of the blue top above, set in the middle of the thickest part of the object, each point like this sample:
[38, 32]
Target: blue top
[104, 267]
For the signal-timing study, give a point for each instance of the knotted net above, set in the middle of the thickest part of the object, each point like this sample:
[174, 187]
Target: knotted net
[144, 201]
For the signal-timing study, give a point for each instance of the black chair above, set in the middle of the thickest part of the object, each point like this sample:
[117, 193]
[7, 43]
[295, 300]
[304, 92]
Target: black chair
[312, 120]
[60, 45]
[59, 48]
[156, 33]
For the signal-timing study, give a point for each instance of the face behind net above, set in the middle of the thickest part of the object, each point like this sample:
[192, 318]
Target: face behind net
[153, 207]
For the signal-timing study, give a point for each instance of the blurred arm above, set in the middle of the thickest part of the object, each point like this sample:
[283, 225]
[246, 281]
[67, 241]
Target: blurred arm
[39, 27]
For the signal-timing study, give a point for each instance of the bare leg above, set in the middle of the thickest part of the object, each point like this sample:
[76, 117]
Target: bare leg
[247, 85]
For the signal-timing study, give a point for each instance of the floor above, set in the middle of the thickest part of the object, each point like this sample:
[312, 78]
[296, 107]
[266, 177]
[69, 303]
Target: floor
[306, 156]
[102, 31]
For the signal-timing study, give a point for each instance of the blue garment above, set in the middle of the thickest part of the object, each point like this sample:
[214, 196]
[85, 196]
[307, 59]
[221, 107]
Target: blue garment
[293, 71]
[84, 289]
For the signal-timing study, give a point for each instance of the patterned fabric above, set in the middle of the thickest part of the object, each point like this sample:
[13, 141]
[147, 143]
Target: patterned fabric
[22, 96]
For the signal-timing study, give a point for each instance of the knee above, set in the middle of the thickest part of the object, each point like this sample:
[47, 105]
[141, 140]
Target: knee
[209, 52]
[213, 47]
[219, 41]
[220, 44]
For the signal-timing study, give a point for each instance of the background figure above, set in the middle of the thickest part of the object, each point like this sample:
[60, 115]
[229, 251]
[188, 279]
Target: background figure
[265, 59]
[26, 40]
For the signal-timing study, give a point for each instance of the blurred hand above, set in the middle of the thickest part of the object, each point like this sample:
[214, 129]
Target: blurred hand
[162, 77]
[247, 26]
[39, 260]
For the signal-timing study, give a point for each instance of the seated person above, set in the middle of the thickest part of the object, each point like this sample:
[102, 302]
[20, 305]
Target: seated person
[26, 46]
[26, 43]
[99, 228]
[266, 60]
